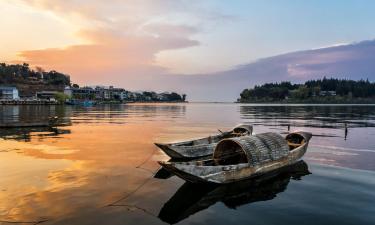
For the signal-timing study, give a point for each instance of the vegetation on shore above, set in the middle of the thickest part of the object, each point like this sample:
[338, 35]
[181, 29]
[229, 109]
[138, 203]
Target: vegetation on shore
[29, 81]
[313, 91]
[23, 74]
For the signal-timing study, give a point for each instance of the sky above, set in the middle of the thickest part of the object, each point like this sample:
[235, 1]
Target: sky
[178, 45]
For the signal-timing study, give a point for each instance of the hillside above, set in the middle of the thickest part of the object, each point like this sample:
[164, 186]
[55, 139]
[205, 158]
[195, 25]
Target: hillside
[29, 81]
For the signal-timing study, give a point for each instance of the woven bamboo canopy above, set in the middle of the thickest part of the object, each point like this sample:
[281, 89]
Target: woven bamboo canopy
[255, 150]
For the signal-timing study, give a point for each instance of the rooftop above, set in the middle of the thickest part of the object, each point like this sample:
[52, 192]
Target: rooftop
[7, 88]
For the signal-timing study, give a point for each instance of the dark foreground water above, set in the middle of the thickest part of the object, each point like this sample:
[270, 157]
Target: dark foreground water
[98, 166]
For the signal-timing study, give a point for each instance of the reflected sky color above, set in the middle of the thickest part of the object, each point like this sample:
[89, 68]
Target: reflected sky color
[97, 167]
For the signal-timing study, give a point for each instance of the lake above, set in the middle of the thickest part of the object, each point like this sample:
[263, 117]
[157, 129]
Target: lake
[98, 167]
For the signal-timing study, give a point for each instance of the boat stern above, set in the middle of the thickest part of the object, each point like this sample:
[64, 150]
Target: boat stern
[189, 173]
[166, 148]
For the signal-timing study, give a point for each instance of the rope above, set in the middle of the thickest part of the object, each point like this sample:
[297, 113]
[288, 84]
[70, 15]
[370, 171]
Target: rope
[139, 208]
[147, 159]
[142, 184]
[130, 194]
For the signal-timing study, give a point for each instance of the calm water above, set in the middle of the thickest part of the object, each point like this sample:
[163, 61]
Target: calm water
[98, 166]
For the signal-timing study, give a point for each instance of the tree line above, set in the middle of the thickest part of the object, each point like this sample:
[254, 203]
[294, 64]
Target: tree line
[23, 74]
[313, 90]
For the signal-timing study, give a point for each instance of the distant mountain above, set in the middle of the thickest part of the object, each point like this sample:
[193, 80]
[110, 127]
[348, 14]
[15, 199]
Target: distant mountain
[353, 61]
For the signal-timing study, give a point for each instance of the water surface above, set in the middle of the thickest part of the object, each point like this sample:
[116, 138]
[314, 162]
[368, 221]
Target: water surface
[97, 167]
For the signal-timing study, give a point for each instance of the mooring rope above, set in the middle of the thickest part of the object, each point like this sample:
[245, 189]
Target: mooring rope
[147, 159]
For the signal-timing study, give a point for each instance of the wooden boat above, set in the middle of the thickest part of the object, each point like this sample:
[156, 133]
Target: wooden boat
[49, 123]
[243, 157]
[192, 198]
[201, 147]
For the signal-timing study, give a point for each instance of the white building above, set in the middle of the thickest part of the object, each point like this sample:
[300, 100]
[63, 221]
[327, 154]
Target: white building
[68, 91]
[9, 93]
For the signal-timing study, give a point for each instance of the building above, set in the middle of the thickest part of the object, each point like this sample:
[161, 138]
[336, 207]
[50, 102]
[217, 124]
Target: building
[68, 91]
[9, 93]
[48, 95]
[327, 93]
[96, 93]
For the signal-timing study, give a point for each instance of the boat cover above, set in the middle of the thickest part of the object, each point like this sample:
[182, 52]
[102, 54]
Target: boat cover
[255, 150]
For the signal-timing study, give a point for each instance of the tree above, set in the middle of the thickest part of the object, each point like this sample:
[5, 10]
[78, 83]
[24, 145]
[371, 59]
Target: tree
[61, 97]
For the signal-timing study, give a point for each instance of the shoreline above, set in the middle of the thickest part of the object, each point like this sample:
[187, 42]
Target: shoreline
[354, 102]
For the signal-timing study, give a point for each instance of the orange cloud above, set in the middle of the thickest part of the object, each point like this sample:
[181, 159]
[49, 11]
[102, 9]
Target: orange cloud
[109, 52]
[119, 39]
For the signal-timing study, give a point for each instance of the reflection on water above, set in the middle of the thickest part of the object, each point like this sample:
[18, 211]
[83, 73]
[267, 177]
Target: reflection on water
[72, 174]
[311, 116]
[25, 134]
[192, 198]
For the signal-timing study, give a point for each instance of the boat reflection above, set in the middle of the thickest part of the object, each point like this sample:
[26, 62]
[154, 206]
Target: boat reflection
[192, 198]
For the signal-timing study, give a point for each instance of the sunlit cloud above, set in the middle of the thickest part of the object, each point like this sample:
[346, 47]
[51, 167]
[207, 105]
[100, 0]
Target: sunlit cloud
[109, 51]
[123, 37]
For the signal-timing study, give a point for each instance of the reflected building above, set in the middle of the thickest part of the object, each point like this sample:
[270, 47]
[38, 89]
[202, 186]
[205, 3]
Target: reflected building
[33, 114]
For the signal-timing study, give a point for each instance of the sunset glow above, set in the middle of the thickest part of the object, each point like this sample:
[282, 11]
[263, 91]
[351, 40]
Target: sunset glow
[132, 43]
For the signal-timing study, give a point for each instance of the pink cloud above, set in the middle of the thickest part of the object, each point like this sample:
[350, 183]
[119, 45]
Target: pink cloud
[110, 52]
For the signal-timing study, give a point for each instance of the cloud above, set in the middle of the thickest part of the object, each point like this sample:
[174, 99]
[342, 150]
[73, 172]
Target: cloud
[110, 52]
[119, 40]
[352, 61]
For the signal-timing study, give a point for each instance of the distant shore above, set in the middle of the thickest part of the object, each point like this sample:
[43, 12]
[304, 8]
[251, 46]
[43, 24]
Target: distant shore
[51, 102]
[316, 101]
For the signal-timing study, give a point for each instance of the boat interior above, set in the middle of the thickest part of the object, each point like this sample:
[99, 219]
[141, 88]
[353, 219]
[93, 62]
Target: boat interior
[237, 132]
[295, 140]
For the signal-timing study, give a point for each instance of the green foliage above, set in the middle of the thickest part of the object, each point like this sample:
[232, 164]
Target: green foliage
[268, 91]
[12, 74]
[61, 97]
[302, 92]
[164, 97]
[174, 97]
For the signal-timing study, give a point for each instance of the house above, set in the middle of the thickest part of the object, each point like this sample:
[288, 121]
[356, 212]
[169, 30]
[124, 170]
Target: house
[81, 93]
[48, 95]
[327, 93]
[116, 93]
[96, 92]
[68, 91]
[9, 93]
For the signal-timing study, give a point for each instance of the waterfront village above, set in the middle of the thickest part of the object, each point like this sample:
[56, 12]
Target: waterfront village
[86, 95]
[19, 84]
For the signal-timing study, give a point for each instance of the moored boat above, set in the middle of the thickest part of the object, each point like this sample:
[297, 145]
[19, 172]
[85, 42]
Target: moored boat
[202, 147]
[243, 157]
